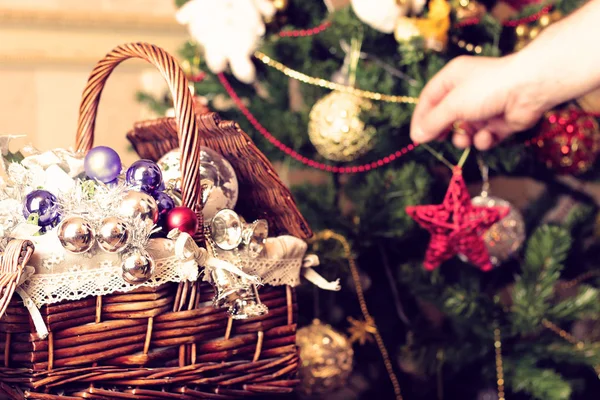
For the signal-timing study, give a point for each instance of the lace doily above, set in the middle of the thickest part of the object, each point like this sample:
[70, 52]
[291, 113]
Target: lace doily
[102, 280]
[275, 272]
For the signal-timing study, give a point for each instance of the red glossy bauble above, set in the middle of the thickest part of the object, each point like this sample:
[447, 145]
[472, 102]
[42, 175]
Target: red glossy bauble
[569, 141]
[182, 218]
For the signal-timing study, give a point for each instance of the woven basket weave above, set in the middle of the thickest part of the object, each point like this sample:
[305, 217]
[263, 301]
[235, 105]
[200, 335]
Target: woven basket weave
[167, 342]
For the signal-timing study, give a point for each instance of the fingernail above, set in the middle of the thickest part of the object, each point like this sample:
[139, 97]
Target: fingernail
[416, 134]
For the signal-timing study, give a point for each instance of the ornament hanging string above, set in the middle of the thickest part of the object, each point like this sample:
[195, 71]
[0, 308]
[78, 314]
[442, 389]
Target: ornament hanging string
[370, 321]
[302, 159]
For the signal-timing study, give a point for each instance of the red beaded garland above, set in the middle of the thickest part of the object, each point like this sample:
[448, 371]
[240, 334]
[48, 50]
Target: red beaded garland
[298, 157]
[512, 23]
[182, 218]
[305, 32]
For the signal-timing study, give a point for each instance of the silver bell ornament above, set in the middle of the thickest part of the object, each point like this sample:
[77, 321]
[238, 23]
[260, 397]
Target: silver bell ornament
[76, 235]
[230, 231]
[226, 229]
[248, 305]
[227, 286]
[113, 235]
[254, 236]
[137, 266]
[139, 206]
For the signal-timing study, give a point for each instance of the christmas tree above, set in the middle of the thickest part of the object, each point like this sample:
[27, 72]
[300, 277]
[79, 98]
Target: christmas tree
[331, 88]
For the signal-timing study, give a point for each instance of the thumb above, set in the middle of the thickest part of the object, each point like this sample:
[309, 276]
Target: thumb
[434, 96]
[441, 117]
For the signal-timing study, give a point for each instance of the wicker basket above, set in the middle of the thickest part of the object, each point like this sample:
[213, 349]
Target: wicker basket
[167, 342]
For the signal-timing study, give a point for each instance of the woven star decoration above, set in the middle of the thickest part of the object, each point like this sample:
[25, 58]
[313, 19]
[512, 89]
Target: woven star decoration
[456, 226]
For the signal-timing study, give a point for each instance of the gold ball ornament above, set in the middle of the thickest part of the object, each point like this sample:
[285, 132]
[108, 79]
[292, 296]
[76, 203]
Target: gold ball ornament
[137, 266]
[335, 127]
[139, 206]
[76, 235]
[545, 20]
[522, 30]
[326, 359]
[505, 237]
[280, 5]
[113, 235]
[469, 9]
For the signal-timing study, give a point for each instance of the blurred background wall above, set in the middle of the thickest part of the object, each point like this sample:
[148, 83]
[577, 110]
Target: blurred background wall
[49, 47]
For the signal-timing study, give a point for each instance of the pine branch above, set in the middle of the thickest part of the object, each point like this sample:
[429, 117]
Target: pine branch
[541, 383]
[585, 304]
[546, 251]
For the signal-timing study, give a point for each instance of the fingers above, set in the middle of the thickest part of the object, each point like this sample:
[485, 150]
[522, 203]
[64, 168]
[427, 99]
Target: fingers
[484, 139]
[432, 95]
[482, 136]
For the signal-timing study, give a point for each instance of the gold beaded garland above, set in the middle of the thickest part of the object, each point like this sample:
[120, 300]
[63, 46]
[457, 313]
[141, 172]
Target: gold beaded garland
[526, 33]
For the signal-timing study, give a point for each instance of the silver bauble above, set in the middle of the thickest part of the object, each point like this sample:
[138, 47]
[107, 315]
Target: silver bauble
[506, 236]
[137, 266]
[139, 206]
[76, 235]
[113, 235]
[217, 177]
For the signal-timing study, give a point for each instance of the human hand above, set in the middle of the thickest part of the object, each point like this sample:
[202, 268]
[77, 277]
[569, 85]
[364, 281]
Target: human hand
[494, 97]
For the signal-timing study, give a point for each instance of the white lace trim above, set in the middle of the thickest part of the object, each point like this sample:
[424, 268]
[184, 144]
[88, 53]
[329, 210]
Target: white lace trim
[275, 272]
[105, 279]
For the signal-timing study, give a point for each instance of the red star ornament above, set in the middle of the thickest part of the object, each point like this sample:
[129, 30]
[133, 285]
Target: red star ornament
[456, 226]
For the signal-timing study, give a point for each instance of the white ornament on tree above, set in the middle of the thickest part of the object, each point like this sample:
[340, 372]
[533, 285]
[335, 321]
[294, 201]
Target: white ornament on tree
[228, 30]
[380, 14]
[383, 15]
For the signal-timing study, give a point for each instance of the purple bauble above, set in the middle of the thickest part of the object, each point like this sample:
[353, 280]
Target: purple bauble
[43, 203]
[102, 163]
[165, 204]
[145, 175]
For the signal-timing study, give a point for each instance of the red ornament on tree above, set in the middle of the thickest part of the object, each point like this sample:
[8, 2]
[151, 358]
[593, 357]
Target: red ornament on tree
[456, 226]
[182, 218]
[569, 141]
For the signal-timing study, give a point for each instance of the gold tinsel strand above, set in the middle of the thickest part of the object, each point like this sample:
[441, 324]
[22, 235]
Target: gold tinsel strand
[330, 235]
[291, 73]
[579, 345]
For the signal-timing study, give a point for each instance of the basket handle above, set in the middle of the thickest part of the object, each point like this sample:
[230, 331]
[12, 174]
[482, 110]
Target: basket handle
[184, 110]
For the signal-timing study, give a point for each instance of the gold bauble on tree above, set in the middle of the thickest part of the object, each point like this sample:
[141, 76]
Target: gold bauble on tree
[469, 9]
[280, 5]
[335, 127]
[326, 359]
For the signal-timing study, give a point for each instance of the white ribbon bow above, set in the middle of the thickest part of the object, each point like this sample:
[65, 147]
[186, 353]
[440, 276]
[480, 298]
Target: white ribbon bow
[310, 261]
[34, 312]
[191, 255]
